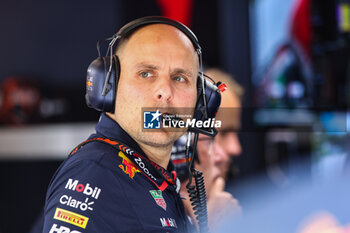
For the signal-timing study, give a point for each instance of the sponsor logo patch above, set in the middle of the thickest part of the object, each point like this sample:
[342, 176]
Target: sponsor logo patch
[168, 222]
[70, 201]
[158, 197]
[86, 189]
[71, 217]
[127, 166]
[138, 160]
[61, 229]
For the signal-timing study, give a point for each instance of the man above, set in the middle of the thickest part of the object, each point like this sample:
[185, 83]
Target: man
[221, 205]
[125, 183]
[229, 114]
[215, 155]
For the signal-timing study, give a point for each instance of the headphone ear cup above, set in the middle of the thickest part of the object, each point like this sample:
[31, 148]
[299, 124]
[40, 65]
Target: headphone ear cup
[95, 82]
[213, 100]
[116, 80]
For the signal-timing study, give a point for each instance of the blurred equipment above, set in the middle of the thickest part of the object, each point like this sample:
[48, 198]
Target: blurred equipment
[301, 73]
[23, 102]
[20, 101]
[286, 81]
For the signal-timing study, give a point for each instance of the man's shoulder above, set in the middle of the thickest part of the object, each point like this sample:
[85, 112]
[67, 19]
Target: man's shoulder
[100, 161]
[94, 160]
[96, 152]
[94, 165]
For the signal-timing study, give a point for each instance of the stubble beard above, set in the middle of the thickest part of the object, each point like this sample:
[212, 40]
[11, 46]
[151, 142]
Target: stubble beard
[158, 139]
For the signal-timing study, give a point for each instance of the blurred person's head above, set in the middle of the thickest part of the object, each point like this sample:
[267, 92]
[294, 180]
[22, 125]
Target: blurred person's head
[229, 114]
[215, 154]
[208, 150]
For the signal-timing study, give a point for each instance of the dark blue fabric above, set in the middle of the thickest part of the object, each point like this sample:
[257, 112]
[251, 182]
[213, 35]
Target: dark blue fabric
[99, 188]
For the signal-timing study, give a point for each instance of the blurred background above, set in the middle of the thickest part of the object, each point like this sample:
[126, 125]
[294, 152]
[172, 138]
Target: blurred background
[291, 57]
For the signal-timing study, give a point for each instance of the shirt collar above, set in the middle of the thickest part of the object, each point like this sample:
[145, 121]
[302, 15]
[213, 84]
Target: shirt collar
[112, 130]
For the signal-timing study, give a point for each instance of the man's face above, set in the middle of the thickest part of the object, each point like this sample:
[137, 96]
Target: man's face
[159, 69]
[227, 138]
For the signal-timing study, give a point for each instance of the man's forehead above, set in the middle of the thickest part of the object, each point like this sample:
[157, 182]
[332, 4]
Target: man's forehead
[229, 99]
[144, 46]
[230, 118]
[162, 31]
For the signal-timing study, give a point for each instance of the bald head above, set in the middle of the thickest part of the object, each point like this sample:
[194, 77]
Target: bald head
[156, 33]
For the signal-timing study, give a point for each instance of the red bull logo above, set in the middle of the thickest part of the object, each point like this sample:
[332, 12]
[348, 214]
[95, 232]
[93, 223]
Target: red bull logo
[127, 166]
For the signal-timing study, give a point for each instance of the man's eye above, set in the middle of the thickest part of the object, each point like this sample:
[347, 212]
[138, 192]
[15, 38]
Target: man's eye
[179, 79]
[145, 74]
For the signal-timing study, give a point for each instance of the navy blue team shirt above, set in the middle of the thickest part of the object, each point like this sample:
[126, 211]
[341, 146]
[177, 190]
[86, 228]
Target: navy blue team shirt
[104, 188]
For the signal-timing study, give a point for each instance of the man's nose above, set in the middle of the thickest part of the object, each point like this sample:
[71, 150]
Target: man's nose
[220, 154]
[232, 145]
[163, 89]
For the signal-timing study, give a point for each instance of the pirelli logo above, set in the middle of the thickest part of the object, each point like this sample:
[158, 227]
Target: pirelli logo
[71, 217]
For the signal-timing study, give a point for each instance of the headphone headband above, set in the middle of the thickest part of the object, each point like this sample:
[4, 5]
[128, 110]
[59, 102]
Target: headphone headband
[137, 23]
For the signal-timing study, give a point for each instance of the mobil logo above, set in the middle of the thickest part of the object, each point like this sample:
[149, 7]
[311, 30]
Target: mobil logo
[84, 188]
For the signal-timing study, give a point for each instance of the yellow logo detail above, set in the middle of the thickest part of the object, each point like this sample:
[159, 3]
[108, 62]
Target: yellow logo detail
[71, 217]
